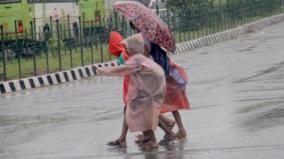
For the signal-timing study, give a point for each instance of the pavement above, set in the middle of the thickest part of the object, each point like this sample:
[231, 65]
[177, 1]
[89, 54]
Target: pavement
[236, 93]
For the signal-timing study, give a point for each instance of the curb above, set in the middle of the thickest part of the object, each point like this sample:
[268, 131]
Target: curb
[53, 78]
[87, 71]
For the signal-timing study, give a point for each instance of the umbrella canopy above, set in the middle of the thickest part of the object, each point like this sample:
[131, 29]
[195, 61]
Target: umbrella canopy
[148, 23]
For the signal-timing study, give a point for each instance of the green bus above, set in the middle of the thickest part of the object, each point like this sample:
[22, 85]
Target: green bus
[16, 15]
[30, 21]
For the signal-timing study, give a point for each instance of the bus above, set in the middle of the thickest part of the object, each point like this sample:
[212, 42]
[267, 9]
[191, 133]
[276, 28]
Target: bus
[22, 17]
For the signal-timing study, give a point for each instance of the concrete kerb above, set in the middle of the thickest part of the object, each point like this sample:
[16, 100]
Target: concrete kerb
[88, 71]
[52, 79]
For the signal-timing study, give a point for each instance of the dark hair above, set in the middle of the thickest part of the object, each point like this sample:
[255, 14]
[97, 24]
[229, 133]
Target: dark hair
[132, 25]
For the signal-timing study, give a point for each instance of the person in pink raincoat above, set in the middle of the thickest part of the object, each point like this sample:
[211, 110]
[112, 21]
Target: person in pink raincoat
[176, 81]
[146, 89]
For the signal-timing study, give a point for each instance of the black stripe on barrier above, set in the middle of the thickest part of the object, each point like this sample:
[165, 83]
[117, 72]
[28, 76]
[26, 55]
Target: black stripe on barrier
[88, 71]
[12, 86]
[80, 73]
[99, 65]
[94, 70]
[49, 79]
[73, 75]
[58, 78]
[40, 80]
[32, 83]
[112, 64]
[22, 84]
[66, 76]
[2, 88]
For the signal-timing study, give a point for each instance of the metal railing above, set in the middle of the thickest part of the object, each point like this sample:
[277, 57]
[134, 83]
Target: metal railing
[50, 45]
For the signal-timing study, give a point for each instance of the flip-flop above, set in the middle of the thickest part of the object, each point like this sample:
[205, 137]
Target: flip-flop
[116, 143]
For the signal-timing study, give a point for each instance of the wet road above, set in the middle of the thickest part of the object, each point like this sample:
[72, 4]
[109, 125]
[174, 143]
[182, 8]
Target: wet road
[237, 97]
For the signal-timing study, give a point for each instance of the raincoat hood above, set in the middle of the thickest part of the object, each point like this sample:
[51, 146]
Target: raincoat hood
[115, 46]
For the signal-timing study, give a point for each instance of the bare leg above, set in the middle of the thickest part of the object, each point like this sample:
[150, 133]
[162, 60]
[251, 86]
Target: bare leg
[181, 131]
[149, 134]
[166, 125]
[170, 123]
[150, 142]
[121, 141]
[122, 138]
[165, 128]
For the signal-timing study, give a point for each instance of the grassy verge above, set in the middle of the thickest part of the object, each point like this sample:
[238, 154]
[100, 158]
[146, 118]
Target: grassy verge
[69, 59]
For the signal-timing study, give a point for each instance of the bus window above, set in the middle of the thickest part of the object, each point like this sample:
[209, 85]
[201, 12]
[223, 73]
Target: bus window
[51, 1]
[20, 26]
[98, 16]
[9, 1]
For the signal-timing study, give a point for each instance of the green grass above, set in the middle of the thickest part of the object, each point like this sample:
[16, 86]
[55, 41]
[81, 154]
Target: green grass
[27, 64]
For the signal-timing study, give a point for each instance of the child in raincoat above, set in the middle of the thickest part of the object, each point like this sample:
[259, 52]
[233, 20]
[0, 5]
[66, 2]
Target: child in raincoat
[116, 48]
[176, 80]
[146, 89]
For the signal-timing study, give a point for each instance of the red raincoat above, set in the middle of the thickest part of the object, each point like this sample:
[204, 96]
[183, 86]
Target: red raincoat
[116, 48]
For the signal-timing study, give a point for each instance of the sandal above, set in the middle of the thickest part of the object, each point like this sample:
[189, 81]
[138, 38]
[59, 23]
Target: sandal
[139, 138]
[167, 139]
[116, 143]
[150, 145]
[145, 140]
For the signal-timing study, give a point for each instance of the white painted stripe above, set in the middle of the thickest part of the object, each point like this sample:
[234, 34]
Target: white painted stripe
[7, 87]
[17, 85]
[61, 76]
[69, 75]
[26, 83]
[53, 78]
[91, 70]
[36, 82]
[77, 74]
[84, 72]
[45, 81]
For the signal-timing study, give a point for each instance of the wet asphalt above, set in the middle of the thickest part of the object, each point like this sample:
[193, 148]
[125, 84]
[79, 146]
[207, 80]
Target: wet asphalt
[236, 92]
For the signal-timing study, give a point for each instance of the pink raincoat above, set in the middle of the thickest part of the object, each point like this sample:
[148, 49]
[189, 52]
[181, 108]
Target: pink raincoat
[147, 86]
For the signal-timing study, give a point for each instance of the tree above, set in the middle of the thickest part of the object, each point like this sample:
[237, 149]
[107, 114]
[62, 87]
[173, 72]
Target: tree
[145, 2]
[192, 5]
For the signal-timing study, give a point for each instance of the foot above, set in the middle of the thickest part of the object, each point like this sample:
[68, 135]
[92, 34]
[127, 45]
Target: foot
[117, 143]
[181, 134]
[166, 140]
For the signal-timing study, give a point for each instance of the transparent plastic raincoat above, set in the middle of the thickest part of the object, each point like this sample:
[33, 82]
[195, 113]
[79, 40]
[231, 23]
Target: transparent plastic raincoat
[147, 86]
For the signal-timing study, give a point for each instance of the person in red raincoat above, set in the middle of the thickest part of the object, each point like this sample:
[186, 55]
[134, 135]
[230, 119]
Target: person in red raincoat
[117, 49]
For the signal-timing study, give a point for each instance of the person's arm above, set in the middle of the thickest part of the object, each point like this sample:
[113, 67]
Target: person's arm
[121, 70]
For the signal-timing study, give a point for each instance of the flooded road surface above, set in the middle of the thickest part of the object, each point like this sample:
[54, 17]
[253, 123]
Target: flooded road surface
[236, 92]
